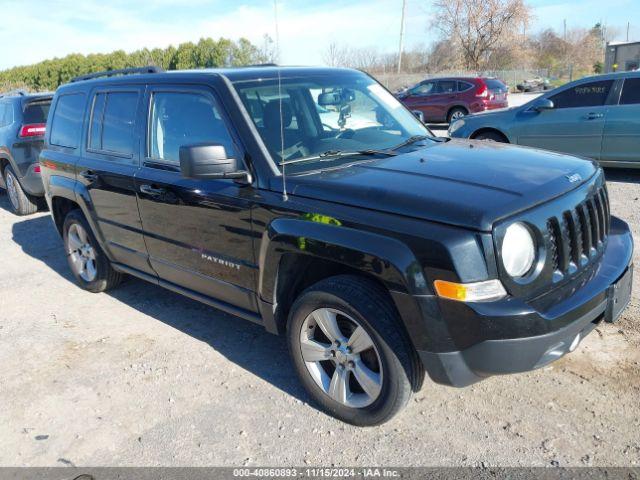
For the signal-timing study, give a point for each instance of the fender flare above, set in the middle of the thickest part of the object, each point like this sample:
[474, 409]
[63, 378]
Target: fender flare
[385, 258]
[71, 189]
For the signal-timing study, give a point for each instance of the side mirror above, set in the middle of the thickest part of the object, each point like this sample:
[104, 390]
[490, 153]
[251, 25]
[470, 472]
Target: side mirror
[418, 114]
[542, 105]
[208, 161]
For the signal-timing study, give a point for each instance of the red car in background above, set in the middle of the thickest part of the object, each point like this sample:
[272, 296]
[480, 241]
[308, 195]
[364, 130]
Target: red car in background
[447, 99]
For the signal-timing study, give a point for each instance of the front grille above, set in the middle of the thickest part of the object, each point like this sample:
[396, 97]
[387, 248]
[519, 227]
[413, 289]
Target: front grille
[577, 236]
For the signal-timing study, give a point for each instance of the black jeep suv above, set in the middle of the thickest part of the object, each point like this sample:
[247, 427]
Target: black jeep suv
[23, 119]
[310, 201]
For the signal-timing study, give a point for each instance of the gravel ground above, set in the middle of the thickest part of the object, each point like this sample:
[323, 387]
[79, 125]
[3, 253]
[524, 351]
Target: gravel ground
[142, 376]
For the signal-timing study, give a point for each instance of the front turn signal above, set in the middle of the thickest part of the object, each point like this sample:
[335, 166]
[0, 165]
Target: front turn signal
[470, 292]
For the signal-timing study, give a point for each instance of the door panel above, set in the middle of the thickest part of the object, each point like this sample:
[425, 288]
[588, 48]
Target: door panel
[571, 130]
[107, 168]
[198, 232]
[621, 141]
[575, 125]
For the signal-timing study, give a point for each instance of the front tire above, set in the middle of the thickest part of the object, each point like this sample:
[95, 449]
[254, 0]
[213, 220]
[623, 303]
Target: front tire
[88, 262]
[21, 202]
[350, 351]
[491, 137]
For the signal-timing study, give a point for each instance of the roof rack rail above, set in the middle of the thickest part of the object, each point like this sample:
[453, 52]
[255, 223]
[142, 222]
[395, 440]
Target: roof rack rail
[14, 93]
[111, 73]
[262, 65]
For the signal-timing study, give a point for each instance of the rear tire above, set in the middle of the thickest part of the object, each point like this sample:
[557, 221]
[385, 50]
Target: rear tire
[21, 202]
[456, 114]
[491, 137]
[368, 376]
[88, 262]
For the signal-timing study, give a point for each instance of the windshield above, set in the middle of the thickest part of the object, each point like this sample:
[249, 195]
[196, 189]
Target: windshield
[327, 119]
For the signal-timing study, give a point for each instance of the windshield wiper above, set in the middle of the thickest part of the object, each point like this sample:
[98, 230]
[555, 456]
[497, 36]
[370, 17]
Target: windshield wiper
[333, 154]
[410, 140]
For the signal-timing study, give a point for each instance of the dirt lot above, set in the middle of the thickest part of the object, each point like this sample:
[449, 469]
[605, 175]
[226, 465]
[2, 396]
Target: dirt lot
[142, 376]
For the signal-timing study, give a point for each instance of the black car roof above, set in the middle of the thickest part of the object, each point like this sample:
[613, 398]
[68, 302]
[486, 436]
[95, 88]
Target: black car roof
[233, 74]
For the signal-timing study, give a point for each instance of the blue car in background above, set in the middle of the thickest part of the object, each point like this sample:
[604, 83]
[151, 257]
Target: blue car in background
[596, 117]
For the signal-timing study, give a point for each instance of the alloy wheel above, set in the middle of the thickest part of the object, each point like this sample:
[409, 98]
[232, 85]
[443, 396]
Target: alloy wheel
[457, 115]
[82, 253]
[12, 189]
[341, 357]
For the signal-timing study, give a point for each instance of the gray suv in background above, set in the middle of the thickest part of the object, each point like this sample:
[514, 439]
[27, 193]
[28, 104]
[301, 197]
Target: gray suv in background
[23, 119]
[596, 117]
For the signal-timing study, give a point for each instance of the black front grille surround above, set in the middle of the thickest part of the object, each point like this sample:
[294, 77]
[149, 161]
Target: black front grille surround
[577, 236]
[570, 233]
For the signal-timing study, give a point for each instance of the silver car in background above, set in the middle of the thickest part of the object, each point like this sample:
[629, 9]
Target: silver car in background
[596, 117]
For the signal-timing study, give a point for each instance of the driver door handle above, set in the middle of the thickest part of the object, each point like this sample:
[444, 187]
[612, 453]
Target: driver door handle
[594, 115]
[152, 191]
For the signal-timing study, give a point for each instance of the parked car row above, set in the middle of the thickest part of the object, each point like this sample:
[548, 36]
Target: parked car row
[596, 117]
[311, 202]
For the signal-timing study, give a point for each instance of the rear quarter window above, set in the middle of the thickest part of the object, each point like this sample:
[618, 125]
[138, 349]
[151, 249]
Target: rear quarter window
[66, 124]
[6, 114]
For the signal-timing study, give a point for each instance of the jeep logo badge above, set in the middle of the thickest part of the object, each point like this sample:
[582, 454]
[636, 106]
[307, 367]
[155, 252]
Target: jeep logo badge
[573, 178]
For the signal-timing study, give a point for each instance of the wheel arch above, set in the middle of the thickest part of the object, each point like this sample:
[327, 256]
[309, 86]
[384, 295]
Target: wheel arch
[491, 130]
[296, 254]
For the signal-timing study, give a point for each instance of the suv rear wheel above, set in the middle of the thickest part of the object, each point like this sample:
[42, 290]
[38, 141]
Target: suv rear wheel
[456, 114]
[21, 202]
[88, 263]
[349, 350]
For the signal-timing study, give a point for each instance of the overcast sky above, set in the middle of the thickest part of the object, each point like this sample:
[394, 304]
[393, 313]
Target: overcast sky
[34, 30]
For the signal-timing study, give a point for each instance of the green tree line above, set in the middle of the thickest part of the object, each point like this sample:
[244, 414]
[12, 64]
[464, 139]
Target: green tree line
[207, 53]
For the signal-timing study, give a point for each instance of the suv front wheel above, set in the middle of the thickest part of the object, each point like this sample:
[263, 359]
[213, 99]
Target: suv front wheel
[21, 202]
[89, 265]
[349, 350]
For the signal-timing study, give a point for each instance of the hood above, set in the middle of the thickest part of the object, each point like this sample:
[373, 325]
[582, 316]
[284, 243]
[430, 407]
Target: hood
[467, 183]
[489, 113]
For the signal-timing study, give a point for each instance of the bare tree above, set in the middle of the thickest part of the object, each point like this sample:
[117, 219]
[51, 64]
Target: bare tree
[479, 26]
[335, 55]
[268, 50]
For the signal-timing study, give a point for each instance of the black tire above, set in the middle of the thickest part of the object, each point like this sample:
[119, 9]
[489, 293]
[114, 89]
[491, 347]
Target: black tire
[105, 276]
[491, 136]
[21, 202]
[369, 304]
[456, 113]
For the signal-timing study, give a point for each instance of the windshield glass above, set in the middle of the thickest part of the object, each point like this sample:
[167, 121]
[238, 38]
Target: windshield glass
[327, 119]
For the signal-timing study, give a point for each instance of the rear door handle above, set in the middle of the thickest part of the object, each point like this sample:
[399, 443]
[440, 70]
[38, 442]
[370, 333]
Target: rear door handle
[594, 116]
[153, 191]
[89, 176]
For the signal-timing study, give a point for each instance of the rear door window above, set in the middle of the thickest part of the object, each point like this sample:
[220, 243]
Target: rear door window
[113, 122]
[593, 94]
[184, 118]
[66, 124]
[447, 86]
[630, 92]
[36, 112]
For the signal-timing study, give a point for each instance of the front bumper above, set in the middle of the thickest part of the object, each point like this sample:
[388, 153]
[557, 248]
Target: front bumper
[510, 336]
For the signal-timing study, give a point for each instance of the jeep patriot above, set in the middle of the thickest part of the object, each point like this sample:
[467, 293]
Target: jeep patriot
[312, 202]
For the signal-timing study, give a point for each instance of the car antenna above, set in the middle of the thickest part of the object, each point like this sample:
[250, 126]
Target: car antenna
[285, 197]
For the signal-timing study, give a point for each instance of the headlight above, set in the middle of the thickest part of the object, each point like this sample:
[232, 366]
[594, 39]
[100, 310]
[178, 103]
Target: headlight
[456, 125]
[518, 250]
